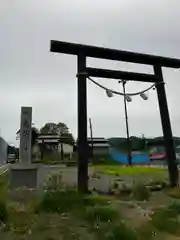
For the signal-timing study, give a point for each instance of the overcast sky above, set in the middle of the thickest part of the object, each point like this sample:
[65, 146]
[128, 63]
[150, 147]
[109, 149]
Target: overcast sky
[32, 76]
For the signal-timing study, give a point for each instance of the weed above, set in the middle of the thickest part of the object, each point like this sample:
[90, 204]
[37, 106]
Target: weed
[59, 201]
[174, 192]
[146, 231]
[125, 190]
[3, 186]
[100, 214]
[96, 175]
[3, 212]
[22, 195]
[115, 185]
[54, 182]
[121, 231]
[166, 220]
[140, 192]
[175, 206]
[94, 200]
[158, 182]
[20, 221]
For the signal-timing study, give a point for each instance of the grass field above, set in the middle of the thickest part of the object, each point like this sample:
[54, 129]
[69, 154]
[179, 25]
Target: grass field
[60, 213]
[126, 170]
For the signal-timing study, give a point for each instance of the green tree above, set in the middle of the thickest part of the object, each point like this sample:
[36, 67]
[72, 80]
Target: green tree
[60, 129]
[49, 128]
[34, 135]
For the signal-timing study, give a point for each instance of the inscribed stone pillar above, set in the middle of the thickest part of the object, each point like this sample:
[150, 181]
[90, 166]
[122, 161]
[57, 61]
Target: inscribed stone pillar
[25, 135]
[24, 173]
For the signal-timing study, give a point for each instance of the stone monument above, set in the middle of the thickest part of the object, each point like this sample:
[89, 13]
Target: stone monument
[25, 136]
[24, 173]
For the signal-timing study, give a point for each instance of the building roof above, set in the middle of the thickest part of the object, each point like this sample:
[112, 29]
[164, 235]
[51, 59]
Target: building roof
[98, 142]
[47, 136]
[48, 140]
[50, 136]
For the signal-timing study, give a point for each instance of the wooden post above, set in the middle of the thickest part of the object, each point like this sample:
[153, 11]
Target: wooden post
[82, 126]
[166, 126]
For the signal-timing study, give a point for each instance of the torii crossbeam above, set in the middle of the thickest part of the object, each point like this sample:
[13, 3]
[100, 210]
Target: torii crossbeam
[84, 51]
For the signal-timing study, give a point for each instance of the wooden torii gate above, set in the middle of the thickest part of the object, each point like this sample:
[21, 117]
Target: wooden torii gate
[84, 51]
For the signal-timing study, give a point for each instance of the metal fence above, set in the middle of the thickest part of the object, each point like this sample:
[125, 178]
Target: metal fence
[3, 151]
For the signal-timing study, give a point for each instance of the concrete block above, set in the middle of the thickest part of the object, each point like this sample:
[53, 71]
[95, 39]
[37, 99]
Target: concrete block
[24, 176]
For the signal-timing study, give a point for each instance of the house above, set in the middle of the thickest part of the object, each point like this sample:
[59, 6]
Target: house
[99, 145]
[52, 145]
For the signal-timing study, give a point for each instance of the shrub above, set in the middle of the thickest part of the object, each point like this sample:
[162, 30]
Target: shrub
[140, 192]
[3, 211]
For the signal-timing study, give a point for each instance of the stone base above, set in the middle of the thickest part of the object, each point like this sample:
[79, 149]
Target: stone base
[23, 176]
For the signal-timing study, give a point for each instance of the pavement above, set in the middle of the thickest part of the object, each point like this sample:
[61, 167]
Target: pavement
[69, 176]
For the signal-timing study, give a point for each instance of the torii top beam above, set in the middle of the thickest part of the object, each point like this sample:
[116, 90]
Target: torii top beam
[113, 54]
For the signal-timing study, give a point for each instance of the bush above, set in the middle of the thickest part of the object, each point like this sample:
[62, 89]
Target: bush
[3, 212]
[140, 192]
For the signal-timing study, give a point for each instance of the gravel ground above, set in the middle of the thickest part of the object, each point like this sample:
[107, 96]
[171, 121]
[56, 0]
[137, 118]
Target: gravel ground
[100, 182]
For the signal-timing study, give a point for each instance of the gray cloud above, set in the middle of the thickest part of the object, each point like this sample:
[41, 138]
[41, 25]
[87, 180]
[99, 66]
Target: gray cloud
[31, 75]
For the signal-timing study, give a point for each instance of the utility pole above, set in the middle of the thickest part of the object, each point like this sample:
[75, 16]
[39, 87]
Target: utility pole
[91, 136]
[127, 125]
